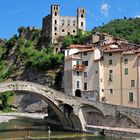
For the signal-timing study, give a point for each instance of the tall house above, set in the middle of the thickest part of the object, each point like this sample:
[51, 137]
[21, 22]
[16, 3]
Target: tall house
[120, 78]
[56, 26]
[81, 73]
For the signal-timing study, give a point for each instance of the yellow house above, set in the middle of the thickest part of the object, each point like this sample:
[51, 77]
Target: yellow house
[129, 79]
[120, 77]
[112, 76]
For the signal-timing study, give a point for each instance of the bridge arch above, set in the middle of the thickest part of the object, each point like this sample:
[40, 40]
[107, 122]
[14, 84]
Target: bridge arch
[43, 92]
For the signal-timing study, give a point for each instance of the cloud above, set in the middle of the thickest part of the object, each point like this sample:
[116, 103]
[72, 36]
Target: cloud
[105, 9]
[18, 11]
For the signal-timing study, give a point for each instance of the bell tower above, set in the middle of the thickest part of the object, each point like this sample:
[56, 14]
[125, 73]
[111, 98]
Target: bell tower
[81, 19]
[55, 14]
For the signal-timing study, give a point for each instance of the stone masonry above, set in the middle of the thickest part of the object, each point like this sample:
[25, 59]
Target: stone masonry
[55, 26]
[74, 112]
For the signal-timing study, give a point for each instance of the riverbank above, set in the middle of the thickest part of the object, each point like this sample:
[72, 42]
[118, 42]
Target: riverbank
[114, 131]
[5, 117]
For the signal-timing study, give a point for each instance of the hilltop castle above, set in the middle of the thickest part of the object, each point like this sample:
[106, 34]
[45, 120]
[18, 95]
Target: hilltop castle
[55, 26]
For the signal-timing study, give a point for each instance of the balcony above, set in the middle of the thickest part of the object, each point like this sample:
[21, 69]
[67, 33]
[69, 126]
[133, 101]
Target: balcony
[79, 68]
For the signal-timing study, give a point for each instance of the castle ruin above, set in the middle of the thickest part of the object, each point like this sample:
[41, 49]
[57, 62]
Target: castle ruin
[56, 26]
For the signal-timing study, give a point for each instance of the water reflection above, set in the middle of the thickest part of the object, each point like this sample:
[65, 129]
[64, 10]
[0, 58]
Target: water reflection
[23, 128]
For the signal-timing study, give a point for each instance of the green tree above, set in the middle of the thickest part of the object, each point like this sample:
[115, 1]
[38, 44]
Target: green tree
[4, 97]
[67, 41]
[124, 28]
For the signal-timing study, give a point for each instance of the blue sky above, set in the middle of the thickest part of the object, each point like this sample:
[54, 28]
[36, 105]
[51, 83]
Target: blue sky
[17, 13]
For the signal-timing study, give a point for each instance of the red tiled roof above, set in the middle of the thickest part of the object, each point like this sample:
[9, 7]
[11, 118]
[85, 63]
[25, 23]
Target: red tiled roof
[79, 46]
[113, 50]
[87, 50]
[128, 52]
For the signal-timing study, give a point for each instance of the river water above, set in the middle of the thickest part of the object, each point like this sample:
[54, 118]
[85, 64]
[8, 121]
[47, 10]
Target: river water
[25, 128]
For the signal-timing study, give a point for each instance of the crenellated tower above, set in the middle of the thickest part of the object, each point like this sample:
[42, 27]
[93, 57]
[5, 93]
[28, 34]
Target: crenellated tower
[55, 26]
[81, 19]
[55, 14]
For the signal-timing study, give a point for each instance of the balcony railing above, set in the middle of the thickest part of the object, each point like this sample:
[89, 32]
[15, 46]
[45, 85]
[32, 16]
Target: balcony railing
[79, 68]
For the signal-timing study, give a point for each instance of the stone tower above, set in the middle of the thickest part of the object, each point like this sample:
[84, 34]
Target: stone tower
[81, 19]
[55, 26]
[55, 13]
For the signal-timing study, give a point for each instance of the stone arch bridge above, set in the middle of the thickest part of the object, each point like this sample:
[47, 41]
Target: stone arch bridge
[74, 112]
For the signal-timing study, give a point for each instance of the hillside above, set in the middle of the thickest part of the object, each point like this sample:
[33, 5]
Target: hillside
[128, 29]
[25, 57]
[29, 56]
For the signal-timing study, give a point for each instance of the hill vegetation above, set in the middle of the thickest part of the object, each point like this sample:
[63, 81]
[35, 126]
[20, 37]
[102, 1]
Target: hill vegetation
[28, 56]
[128, 29]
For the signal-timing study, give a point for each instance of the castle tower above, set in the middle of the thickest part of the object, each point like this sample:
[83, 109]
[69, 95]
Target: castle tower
[55, 11]
[81, 19]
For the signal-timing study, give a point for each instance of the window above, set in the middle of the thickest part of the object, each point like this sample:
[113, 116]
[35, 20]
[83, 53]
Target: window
[78, 84]
[83, 11]
[85, 53]
[63, 22]
[74, 23]
[96, 71]
[85, 63]
[77, 62]
[82, 23]
[131, 98]
[126, 61]
[73, 31]
[55, 21]
[55, 13]
[85, 86]
[110, 54]
[110, 62]
[68, 22]
[82, 16]
[126, 71]
[55, 28]
[111, 91]
[63, 30]
[110, 75]
[78, 73]
[55, 33]
[68, 33]
[85, 74]
[132, 83]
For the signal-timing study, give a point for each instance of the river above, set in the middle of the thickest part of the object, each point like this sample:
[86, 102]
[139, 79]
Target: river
[36, 129]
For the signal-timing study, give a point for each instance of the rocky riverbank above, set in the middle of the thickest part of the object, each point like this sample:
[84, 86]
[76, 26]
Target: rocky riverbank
[5, 117]
[114, 131]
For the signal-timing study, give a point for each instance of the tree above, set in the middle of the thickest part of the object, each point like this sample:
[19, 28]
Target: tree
[21, 30]
[4, 97]
[67, 41]
[124, 28]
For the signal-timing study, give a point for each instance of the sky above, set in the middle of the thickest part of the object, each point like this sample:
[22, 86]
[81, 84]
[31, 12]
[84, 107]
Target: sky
[17, 13]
